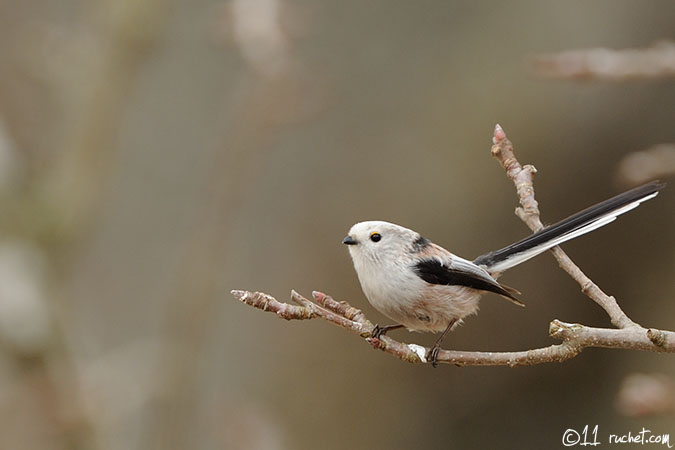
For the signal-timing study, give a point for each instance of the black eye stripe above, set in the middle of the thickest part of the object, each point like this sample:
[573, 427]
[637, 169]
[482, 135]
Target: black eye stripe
[375, 237]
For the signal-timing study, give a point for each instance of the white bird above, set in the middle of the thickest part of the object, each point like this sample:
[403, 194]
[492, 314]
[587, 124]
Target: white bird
[424, 287]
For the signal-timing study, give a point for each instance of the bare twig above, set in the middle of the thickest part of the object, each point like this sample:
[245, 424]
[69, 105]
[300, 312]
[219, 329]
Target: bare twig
[574, 337]
[657, 61]
[528, 211]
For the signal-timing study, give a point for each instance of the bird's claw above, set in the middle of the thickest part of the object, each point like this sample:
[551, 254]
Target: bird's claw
[432, 355]
[378, 331]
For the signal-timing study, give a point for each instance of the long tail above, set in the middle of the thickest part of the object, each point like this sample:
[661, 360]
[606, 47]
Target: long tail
[580, 223]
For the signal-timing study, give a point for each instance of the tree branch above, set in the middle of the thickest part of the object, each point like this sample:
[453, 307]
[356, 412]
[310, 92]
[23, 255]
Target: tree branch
[654, 62]
[574, 337]
[528, 211]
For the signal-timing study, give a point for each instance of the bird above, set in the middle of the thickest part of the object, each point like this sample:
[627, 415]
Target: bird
[423, 287]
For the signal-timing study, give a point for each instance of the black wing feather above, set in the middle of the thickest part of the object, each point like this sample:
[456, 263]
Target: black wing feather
[434, 272]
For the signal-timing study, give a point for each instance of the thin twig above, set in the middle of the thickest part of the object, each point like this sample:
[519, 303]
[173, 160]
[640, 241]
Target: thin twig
[575, 337]
[528, 211]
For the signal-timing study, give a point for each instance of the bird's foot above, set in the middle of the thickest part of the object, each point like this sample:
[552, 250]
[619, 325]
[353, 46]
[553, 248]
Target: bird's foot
[432, 355]
[381, 331]
[378, 331]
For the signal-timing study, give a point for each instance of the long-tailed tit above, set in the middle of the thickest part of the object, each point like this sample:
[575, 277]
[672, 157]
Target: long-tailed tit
[424, 287]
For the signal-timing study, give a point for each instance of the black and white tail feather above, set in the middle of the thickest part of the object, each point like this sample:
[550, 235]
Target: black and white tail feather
[574, 226]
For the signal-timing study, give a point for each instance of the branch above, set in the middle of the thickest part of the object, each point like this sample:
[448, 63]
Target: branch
[574, 337]
[528, 211]
[655, 62]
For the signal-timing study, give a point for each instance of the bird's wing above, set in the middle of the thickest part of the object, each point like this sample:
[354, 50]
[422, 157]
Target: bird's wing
[455, 271]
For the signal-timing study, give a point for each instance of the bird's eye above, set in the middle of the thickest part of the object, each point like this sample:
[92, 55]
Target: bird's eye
[375, 237]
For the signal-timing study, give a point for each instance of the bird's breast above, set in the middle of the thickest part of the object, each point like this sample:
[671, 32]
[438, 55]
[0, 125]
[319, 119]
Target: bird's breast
[405, 298]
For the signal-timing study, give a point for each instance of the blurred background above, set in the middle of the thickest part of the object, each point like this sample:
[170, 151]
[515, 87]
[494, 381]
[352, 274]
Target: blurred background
[156, 154]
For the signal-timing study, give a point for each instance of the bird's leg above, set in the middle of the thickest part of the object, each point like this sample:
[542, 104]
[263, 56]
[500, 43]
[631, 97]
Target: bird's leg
[432, 355]
[381, 331]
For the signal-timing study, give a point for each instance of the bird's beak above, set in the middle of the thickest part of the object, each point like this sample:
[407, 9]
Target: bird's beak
[348, 240]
